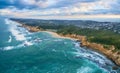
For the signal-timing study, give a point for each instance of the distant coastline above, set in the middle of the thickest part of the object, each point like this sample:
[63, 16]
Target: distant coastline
[114, 56]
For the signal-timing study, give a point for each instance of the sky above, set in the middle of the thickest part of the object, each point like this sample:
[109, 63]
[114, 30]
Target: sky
[60, 9]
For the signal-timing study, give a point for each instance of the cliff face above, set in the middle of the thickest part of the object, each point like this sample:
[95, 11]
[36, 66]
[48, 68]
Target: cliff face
[31, 28]
[114, 56]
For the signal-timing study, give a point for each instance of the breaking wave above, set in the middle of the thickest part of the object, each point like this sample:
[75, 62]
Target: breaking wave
[24, 44]
[85, 70]
[10, 39]
[95, 57]
[14, 30]
[20, 34]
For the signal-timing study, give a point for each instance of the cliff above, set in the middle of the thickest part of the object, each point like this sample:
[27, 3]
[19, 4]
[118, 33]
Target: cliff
[109, 52]
[31, 28]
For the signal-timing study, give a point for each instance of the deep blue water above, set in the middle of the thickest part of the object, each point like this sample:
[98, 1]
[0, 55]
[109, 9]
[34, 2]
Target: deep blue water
[39, 52]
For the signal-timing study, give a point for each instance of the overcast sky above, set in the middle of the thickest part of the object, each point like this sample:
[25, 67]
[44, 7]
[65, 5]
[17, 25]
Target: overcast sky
[60, 8]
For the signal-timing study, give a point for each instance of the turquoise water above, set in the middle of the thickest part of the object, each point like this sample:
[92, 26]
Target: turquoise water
[39, 52]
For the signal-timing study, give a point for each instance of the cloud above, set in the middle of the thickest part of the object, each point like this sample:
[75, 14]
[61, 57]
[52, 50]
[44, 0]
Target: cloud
[39, 3]
[29, 2]
[40, 8]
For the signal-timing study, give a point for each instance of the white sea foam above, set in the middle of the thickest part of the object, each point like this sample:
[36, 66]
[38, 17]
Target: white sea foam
[19, 33]
[26, 43]
[10, 39]
[8, 48]
[85, 70]
[14, 30]
[77, 44]
[38, 40]
[93, 56]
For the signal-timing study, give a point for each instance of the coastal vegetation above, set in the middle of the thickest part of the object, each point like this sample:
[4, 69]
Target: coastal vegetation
[103, 37]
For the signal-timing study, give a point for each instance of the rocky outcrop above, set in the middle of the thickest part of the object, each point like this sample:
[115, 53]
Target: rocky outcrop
[31, 28]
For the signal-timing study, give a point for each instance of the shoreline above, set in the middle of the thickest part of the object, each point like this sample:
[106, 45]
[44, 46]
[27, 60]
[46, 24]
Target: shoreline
[109, 53]
[54, 34]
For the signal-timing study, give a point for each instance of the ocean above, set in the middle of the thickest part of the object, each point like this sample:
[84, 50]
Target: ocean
[22, 51]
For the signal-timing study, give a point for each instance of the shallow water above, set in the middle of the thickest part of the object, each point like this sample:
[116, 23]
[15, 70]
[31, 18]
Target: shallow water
[25, 52]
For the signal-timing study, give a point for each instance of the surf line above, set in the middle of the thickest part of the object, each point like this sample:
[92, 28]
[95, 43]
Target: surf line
[10, 39]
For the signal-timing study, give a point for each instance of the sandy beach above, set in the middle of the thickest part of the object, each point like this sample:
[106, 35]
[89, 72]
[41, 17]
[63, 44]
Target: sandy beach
[54, 34]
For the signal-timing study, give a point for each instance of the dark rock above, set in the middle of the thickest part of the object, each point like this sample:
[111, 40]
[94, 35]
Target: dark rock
[115, 67]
